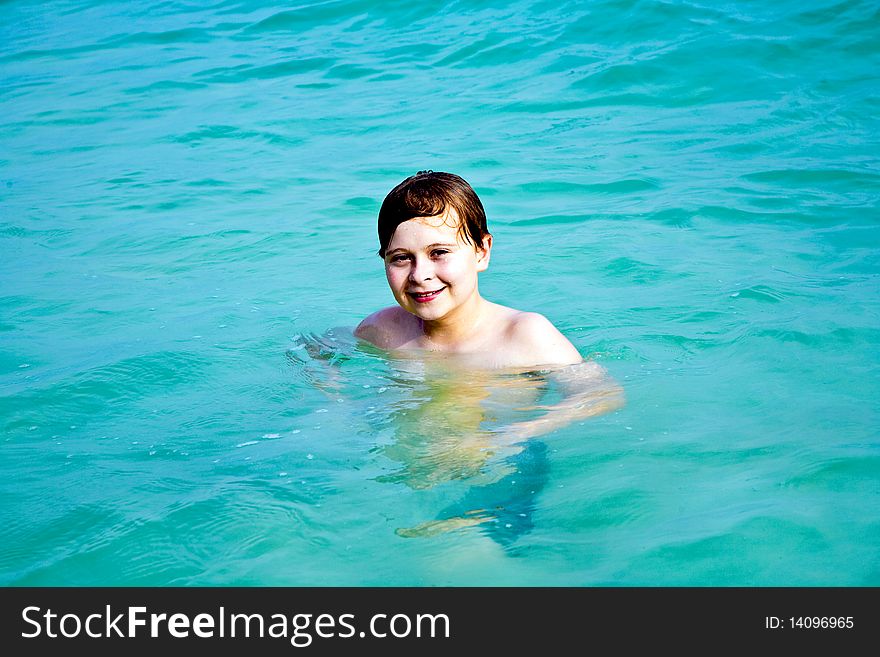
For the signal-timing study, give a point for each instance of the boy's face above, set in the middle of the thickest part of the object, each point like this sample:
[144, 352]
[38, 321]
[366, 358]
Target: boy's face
[431, 270]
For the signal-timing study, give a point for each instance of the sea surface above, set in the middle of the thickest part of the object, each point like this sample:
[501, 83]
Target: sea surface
[188, 199]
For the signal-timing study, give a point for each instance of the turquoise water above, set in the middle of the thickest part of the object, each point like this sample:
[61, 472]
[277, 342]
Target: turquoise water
[188, 193]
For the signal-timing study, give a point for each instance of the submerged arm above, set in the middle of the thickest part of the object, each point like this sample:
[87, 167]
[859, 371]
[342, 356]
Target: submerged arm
[318, 357]
[586, 388]
[587, 391]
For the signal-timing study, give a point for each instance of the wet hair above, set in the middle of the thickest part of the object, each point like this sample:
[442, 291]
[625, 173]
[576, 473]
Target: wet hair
[430, 194]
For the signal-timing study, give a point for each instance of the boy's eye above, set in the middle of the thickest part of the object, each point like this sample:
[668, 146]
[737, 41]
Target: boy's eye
[399, 258]
[439, 252]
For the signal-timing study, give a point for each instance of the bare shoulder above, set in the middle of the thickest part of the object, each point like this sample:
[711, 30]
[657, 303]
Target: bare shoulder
[387, 328]
[535, 334]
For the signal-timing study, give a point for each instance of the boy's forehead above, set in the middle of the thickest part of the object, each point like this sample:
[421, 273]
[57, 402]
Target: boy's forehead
[449, 219]
[446, 224]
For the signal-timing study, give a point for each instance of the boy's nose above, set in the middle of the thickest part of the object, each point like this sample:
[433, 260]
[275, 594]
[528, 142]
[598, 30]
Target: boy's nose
[422, 270]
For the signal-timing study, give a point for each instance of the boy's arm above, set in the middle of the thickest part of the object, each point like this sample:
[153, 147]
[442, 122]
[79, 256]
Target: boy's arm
[587, 389]
[384, 328]
[319, 357]
[370, 329]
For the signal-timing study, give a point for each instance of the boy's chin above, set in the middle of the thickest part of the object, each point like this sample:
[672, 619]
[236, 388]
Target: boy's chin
[424, 313]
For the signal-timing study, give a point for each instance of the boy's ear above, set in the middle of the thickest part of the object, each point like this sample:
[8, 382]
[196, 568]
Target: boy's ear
[484, 253]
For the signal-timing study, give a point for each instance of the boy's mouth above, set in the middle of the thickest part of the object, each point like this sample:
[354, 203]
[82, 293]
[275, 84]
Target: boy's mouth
[425, 297]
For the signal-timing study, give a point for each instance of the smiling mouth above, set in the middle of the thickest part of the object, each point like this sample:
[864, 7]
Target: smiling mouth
[425, 297]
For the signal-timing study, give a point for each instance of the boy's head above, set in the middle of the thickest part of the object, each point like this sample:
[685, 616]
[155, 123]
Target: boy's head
[430, 194]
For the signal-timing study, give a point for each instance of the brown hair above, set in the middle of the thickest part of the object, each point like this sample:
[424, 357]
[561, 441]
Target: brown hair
[430, 194]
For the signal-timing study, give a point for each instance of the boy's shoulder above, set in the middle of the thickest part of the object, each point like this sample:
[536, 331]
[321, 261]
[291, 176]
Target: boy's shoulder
[386, 328]
[536, 337]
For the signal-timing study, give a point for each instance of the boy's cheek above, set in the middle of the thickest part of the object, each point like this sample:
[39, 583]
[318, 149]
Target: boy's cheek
[394, 279]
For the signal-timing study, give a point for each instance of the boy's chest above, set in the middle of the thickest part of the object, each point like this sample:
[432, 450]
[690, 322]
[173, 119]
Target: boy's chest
[484, 354]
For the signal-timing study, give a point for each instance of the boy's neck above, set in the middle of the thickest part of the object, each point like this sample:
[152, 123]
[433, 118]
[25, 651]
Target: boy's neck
[459, 328]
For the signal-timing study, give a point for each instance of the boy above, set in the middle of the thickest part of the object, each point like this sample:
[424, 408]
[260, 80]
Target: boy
[434, 242]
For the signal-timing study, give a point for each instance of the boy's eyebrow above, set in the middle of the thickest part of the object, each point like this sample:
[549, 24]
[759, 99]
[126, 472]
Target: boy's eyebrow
[430, 246]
